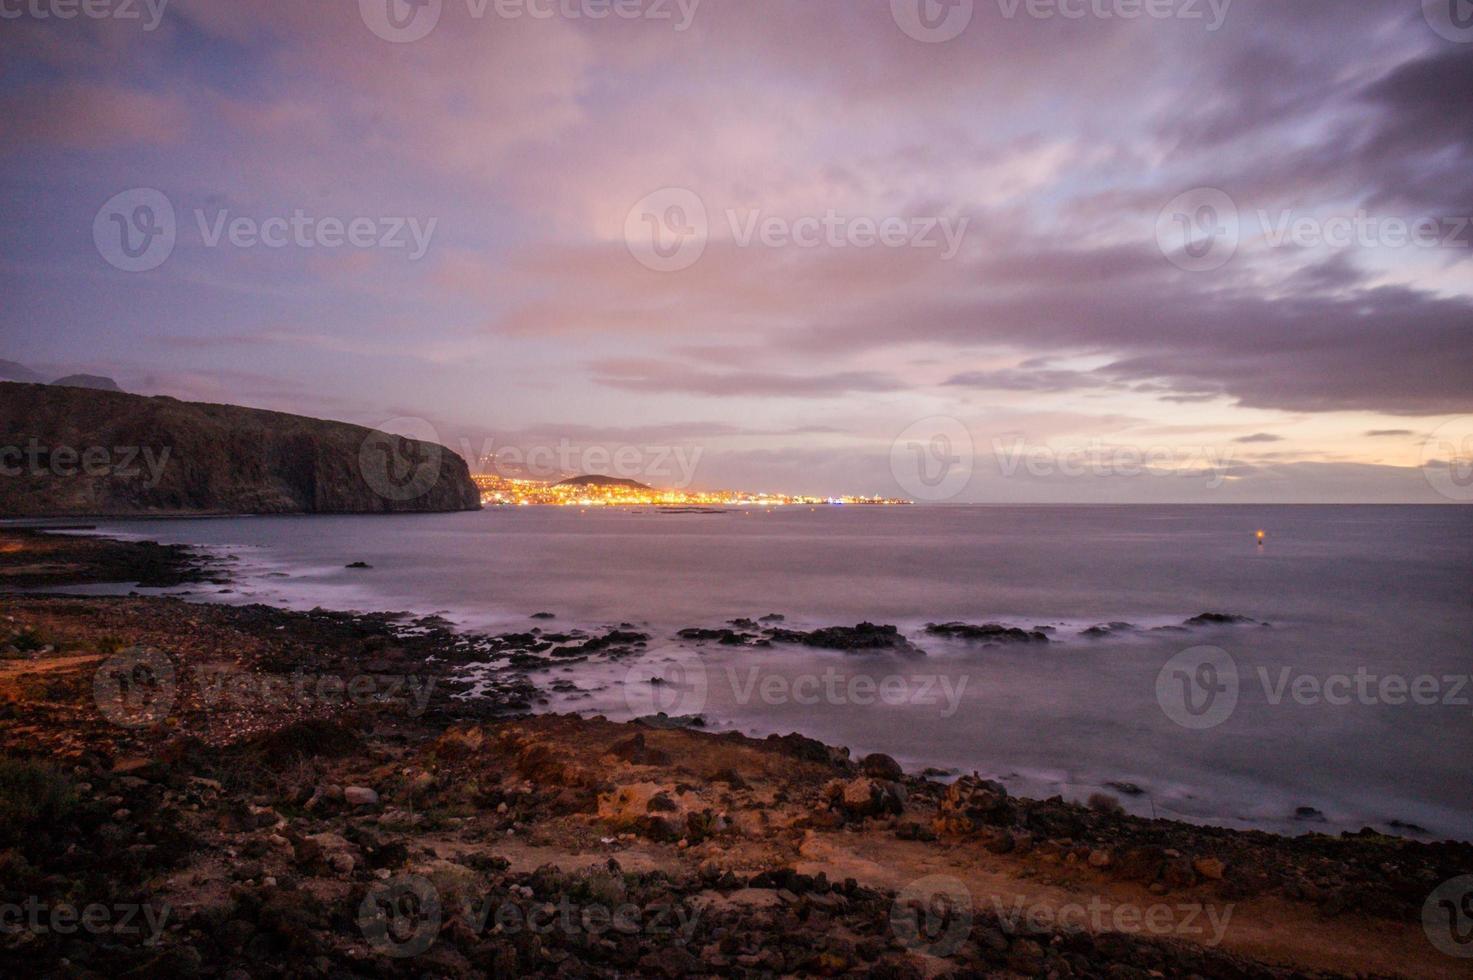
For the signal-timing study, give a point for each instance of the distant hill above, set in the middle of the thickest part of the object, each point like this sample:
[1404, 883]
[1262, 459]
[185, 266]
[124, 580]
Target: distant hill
[94, 381]
[68, 451]
[17, 372]
[11, 371]
[602, 481]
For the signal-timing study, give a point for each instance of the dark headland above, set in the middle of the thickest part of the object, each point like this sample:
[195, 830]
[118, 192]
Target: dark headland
[73, 451]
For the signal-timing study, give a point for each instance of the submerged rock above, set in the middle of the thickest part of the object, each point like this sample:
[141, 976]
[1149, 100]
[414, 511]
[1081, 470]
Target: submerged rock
[865, 636]
[724, 636]
[1221, 619]
[1109, 629]
[987, 633]
[1128, 789]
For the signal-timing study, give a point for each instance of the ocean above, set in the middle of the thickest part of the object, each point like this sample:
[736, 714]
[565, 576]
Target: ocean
[1352, 707]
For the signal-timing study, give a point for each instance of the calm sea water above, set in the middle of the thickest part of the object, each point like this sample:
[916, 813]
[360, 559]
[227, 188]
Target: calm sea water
[1354, 702]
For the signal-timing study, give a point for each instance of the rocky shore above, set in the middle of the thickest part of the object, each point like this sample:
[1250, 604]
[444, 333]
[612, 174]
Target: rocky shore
[190, 789]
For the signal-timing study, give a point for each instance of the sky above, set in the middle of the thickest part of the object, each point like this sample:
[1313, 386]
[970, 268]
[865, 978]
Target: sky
[1114, 251]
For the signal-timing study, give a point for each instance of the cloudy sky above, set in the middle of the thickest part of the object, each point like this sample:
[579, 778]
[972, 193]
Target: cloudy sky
[997, 250]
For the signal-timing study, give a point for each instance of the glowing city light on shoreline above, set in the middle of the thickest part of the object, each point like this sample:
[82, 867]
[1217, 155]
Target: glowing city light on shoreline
[499, 491]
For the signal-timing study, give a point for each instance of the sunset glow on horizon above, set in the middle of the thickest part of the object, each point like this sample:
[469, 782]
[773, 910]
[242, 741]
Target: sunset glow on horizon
[1223, 252]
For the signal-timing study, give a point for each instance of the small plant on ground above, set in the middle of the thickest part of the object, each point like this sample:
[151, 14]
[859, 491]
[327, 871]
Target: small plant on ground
[32, 795]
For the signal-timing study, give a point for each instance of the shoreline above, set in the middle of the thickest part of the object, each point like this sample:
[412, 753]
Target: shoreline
[252, 772]
[1207, 802]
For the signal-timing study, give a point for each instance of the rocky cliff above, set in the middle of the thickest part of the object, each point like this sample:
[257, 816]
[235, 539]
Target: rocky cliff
[74, 451]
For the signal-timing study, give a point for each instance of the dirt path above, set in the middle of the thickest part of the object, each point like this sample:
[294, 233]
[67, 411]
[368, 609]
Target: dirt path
[1269, 930]
[48, 665]
[1266, 929]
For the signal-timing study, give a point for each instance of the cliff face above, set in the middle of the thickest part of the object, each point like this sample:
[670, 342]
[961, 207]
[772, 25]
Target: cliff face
[74, 451]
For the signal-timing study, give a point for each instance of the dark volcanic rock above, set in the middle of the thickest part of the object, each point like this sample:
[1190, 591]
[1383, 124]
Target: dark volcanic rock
[1220, 619]
[634, 749]
[109, 453]
[881, 766]
[988, 633]
[971, 802]
[725, 636]
[1109, 629]
[865, 636]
